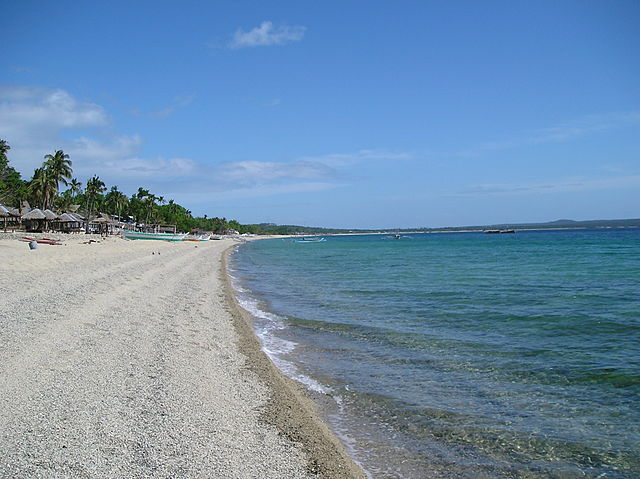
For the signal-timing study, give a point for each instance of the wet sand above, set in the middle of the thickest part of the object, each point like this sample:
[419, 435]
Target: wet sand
[133, 359]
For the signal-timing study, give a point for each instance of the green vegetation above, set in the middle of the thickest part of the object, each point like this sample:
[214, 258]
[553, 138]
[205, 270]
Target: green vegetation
[43, 191]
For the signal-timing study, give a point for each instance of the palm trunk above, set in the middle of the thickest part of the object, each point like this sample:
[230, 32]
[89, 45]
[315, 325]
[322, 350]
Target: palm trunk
[88, 218]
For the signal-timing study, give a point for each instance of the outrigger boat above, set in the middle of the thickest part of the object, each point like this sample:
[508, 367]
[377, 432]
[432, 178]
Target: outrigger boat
[153, 236]
[197, 238]
[310, 240]
[41, 240]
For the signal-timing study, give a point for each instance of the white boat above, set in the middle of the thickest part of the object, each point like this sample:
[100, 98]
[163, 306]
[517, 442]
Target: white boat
[197, 238]
[153, 236]
[310, 240]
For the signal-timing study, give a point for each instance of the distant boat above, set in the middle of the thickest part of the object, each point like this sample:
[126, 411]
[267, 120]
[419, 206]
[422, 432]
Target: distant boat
[153, 236]
[493, 232]
[310, 240]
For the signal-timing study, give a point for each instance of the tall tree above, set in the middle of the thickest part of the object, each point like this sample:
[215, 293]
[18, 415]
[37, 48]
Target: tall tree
[151, 204]
[116, 200]
[59, 166]
[95, 187]
[43, 187]
[75, 186]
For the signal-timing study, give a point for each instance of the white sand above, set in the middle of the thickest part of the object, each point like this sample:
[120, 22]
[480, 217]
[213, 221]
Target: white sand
[116, 362]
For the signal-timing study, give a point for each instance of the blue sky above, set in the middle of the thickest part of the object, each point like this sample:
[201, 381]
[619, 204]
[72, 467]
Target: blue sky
[346, 114]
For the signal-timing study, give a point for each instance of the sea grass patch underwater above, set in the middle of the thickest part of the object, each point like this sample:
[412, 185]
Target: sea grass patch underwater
[463, 354]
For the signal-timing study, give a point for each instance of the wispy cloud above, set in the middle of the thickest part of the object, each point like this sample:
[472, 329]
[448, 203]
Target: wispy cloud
[261, 172]
[267, 35]
[25, 109]
[558, 133]
[214, 193]
[337, 160]
[272, 103]
[21, 69]
[557, 186]
[176, 104]
[36, 121]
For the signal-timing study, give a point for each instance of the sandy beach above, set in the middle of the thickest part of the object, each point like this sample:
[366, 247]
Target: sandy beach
[132, 359]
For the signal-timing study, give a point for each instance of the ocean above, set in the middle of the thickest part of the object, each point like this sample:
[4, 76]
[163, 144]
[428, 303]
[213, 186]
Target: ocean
[461, 355]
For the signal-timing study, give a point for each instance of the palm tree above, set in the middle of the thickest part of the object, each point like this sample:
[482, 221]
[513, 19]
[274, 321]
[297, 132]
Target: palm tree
[43, 187]
[59, 166]
[117, 200]
[94, 188]
[120, 202]
[75, 186]
[151, 203]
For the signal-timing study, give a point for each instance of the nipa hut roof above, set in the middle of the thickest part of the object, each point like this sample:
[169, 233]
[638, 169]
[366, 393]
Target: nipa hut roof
[76, 216]
[50, 214]
[66, 218]
[4, 211]
[35, 214]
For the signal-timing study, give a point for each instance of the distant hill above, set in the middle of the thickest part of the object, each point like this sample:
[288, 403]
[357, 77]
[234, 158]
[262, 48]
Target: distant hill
[563, 223]
[270, 228]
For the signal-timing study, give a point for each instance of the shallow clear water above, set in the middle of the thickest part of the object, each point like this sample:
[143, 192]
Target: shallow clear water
[462, 354]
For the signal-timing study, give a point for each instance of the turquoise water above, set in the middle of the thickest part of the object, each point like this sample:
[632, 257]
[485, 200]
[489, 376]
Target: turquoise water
[463, 354]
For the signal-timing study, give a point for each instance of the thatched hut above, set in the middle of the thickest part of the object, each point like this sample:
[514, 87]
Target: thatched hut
[66, 223]
[4, 214]
[50, 215]
[34, 220]
[12, 217]
[105, 224]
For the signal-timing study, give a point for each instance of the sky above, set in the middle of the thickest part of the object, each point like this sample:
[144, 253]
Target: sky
[348, 114]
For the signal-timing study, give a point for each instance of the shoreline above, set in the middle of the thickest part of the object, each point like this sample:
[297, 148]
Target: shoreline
[290, 408]
[133, 359]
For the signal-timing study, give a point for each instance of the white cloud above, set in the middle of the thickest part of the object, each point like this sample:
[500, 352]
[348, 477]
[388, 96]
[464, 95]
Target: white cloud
[153, 169]
[190, 197]
[266, 35]
[259, 172]
[37, 121]
[25, 111]
[337, 160]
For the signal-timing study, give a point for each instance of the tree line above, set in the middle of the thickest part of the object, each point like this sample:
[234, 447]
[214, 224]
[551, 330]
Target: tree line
[44, 190]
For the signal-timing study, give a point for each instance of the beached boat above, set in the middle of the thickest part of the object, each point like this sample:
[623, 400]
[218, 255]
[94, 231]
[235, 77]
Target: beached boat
[153, 236]
[41, 240]
[197, 238]
[310, 240]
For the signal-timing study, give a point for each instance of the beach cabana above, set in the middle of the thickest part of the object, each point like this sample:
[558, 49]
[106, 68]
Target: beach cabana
[79, 219]
[14, 217]
[4, 214]
[34, 220]
[66, 223]
[51, 216]
[105, 224]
